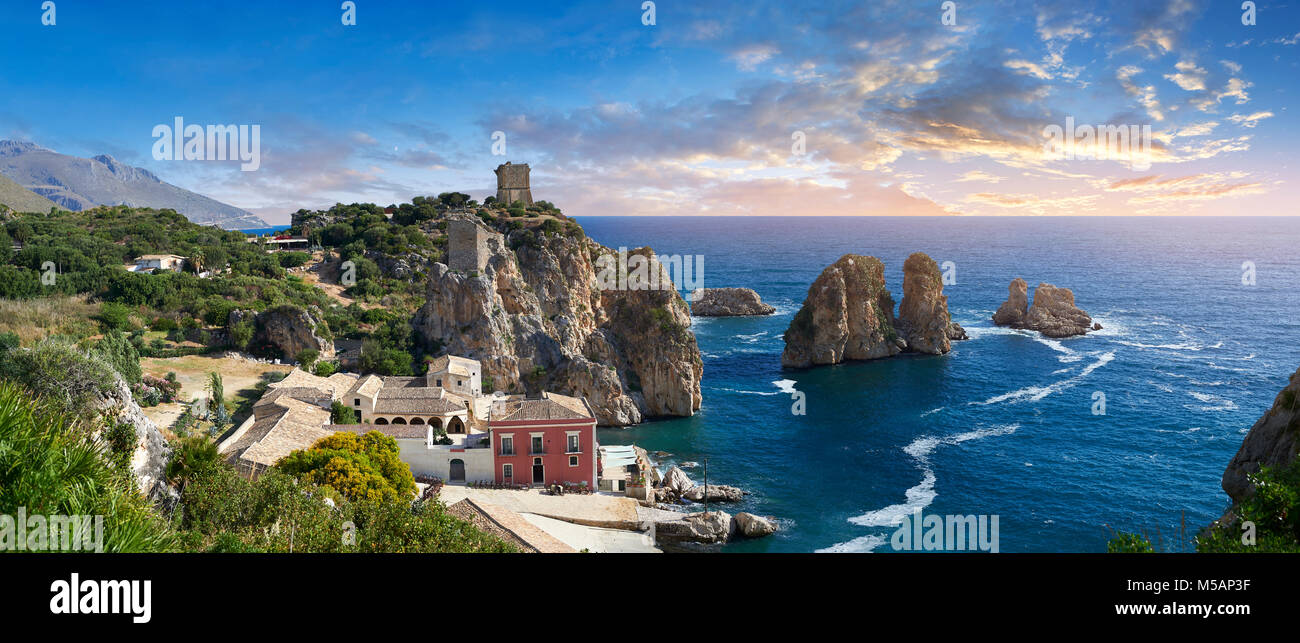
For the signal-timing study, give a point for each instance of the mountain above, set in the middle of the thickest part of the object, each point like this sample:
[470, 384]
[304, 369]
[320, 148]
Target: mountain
[77, 184]
[20, 199]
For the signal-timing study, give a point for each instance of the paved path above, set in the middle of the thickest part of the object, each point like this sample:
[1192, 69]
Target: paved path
[594, 539]
[593, 510]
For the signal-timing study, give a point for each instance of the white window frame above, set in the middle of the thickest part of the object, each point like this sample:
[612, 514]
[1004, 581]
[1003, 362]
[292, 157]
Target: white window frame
[574, 461]
[508, 466]
[569, 435]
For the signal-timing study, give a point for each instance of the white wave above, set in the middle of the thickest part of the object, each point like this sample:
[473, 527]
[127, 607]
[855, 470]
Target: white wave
[932, 411]
[785, 386]
[860, 545]
[1215, 402]
[1036, 393]
[922, 494]
[1167, 347]
[736, 390]
[976, 332]
[1067, 355]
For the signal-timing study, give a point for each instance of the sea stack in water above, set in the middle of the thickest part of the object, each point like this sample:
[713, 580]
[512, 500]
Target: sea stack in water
[727, 302]
[849, 314]
[1053, 312]
[923, 318]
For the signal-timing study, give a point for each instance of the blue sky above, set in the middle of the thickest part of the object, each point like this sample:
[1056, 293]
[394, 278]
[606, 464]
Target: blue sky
[900, 113]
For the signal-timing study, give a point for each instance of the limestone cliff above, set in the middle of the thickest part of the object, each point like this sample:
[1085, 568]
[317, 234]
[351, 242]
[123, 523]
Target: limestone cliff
[538, 319]
[848, 314]
[1271, 442]
[287, 330]
[151, 454]
[1053, 312]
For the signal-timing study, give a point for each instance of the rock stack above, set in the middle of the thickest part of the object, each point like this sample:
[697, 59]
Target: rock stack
[727, 302]
[849, 314]
[1053, 312]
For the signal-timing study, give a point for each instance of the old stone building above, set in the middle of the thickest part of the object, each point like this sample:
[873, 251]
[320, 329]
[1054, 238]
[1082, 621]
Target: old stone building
[512, 184]
[469, 244]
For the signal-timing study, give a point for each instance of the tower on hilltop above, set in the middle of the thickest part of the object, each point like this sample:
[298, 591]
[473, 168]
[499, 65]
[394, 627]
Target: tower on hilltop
[512, 183]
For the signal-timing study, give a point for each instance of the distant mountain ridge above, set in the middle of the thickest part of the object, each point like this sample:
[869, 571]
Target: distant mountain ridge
[20, 199]
[77, 184]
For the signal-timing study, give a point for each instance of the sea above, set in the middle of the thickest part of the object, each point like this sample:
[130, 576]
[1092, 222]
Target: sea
[1200, 316]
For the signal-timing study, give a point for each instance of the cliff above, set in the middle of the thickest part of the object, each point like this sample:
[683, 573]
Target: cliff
[537, 319]
[1271, 442]
[923, 318]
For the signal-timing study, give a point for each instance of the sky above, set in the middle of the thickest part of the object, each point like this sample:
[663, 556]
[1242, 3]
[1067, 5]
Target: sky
[744, 108]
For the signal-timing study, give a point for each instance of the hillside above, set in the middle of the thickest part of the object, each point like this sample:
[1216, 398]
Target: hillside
[20, 199]
[78, 184]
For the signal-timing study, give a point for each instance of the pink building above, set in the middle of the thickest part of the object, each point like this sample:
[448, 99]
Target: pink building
[544, 440]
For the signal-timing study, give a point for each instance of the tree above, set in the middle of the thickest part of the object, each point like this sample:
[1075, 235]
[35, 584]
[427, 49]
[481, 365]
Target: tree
[360, 467]
[114, 316]
[307, 358]
[117, 350]
[341, 413]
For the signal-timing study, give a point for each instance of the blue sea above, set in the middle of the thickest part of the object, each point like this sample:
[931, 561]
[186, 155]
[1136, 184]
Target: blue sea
[1188, 359]
[257, 232]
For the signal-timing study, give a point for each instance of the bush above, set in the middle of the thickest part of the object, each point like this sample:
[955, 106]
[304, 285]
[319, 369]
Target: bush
[1274, 508]
[325, 369]
[360, 467]
[306, 358]
[119, 352]
[114, 316]
[60, 373]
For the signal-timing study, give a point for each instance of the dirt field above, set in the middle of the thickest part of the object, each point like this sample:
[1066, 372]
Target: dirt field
[326, 276]
[239, 377]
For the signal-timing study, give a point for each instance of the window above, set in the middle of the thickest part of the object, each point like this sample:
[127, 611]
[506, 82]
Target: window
[508, 471]
[573, 460]
[459, 383]
[356, 402]
[507, 446]
[537, 444]
[574, 444]
[439, 384]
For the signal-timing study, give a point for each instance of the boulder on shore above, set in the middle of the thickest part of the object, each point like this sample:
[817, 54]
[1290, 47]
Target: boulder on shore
[715, 492]
[727, 302]
[1052, 313]
[701, 527]
[677, 481]
[751, 526]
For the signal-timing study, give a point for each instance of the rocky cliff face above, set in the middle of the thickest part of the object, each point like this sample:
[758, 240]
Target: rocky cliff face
[149, 461]
[537, 319]
[848, 314]
[1053, 312]
[728, 302]
[1271, 442]
[287, 329]
[923, 318]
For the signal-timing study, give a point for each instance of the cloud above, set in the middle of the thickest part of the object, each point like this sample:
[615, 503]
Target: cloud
[749, 58]
[1190, 77]
[980, 176]
[1250, 120]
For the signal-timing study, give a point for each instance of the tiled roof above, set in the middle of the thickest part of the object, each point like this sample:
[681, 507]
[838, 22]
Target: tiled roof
[281, 427]
[453, 364]
[420, 431]
[418, 405]
[336, 385]
[549, 407]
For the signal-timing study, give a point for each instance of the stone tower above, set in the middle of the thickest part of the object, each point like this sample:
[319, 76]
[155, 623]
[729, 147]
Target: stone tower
[469, 244]
[512, 184]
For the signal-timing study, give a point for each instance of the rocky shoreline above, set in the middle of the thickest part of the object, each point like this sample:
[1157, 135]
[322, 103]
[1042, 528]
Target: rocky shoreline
[687, 531]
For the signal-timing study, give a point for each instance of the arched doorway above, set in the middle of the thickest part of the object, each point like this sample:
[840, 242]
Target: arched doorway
[455, 425]
[436, 423]
[457, 473]
[399, 420]
[381, 421]
[417, 421]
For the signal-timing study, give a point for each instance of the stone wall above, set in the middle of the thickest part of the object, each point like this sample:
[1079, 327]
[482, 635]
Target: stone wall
[467, 245]
[512, 184]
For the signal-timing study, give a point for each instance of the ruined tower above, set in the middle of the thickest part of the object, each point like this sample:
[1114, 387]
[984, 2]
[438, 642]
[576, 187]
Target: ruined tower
[512, 184]
[469, 244]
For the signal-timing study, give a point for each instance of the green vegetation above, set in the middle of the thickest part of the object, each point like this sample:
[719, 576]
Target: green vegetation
[341, 413]
[1129, 543]
[1274, 510]
[50, 464]
[360, 467]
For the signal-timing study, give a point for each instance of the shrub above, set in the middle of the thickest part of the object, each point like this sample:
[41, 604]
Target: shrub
[114, 316]
[342, 414]
[61, 373]
[119, 352]
[360, 467]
